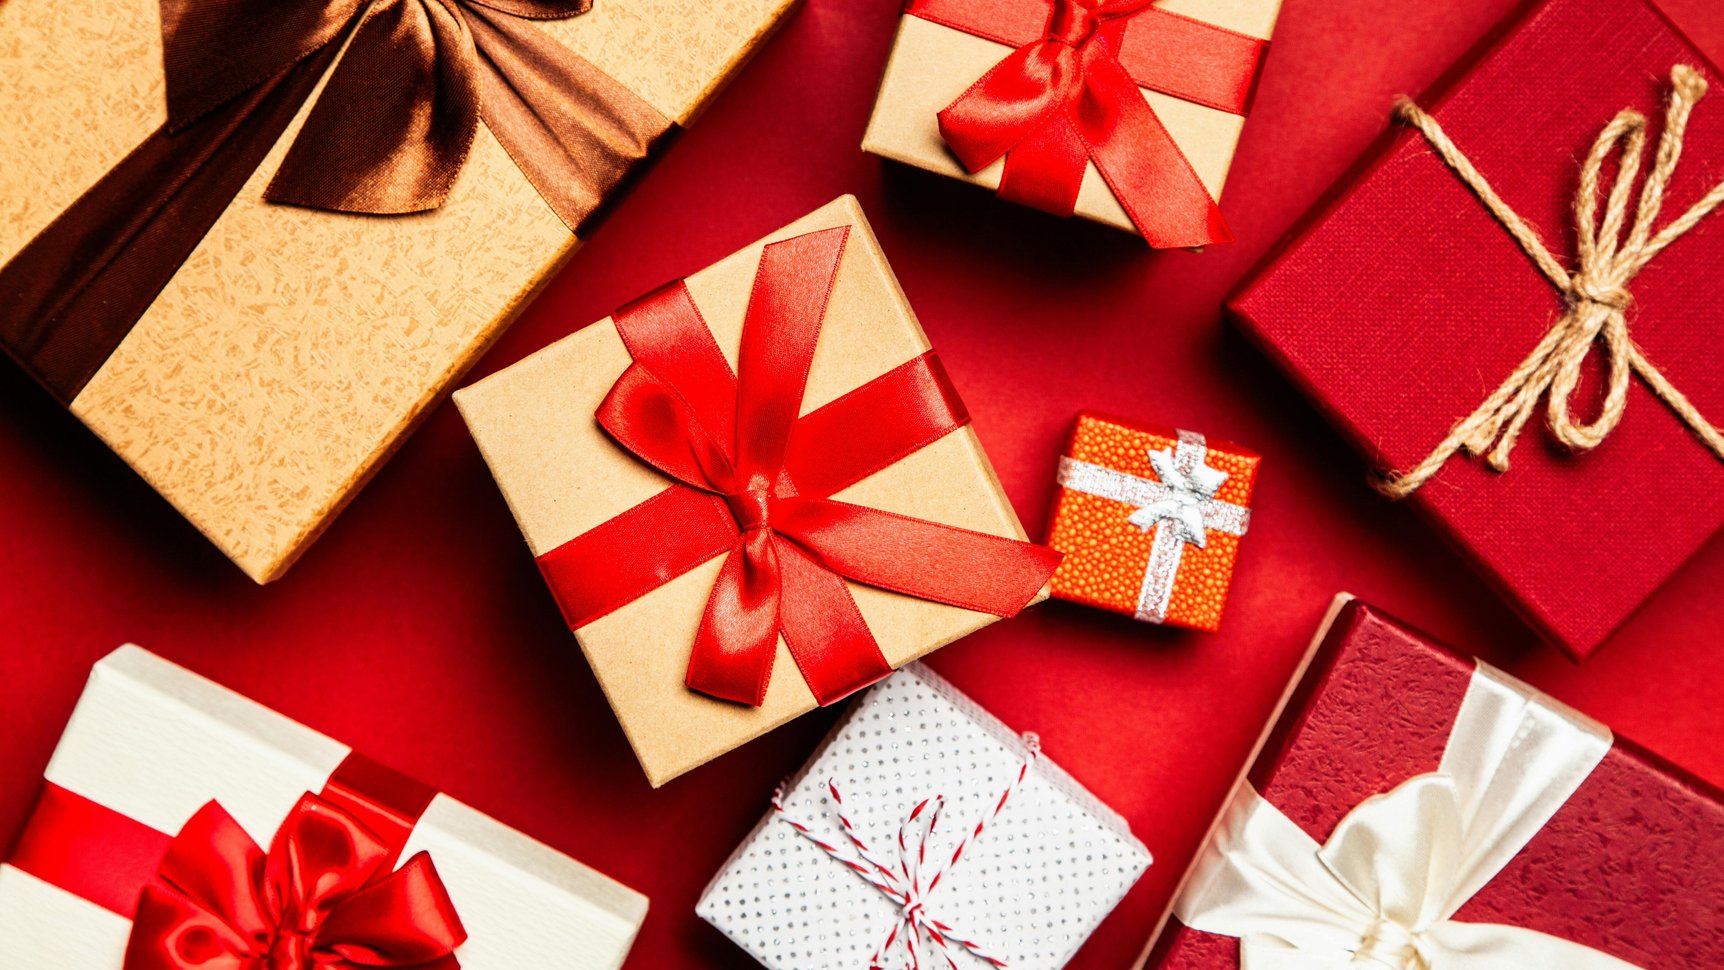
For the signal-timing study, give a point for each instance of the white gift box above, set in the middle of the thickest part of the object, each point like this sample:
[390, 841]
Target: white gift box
[1027, 891]
[155, 742]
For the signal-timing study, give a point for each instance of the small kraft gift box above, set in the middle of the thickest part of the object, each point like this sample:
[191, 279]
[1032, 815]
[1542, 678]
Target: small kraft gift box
[1125, 112]
[182, 825]
[1412, 810]
[1150, 520]
[923, 832]
[250, 248]
[754, 491]
[1524, 268]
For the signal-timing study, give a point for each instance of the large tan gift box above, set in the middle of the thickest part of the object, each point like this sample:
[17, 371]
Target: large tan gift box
[296, 347]
[932, 64]
[562, 476]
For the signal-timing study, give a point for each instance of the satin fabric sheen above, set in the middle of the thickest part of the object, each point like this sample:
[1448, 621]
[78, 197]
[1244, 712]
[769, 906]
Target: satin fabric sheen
[1384, 888]
[326, 896]
[389, 134]
[753, 484]
[1068, 95]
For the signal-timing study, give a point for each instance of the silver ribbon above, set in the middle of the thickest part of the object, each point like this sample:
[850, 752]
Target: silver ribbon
[1383, 891]
[1182, 503]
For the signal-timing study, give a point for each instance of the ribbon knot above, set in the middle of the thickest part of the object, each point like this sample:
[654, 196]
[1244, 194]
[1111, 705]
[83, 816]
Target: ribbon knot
[1610, 252]
[752, 508]
[326, 896]
[1389, 944]
[1073, 23]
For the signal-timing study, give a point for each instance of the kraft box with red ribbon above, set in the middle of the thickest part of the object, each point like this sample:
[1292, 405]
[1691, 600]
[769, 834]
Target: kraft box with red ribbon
[182, 826]
[924, 834]
[1412, 810]
[754, 491]
[1510, 308]
[250, 248]
[1126, 112]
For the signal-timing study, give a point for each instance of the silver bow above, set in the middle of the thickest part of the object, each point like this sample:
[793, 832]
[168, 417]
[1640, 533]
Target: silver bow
[1383, 891]
[1182, 503]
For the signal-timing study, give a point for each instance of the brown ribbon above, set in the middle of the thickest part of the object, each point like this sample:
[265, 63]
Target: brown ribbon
[388, 135]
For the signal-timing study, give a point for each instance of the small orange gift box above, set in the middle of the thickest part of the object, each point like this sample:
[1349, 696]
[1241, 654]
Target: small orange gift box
[1149, 520]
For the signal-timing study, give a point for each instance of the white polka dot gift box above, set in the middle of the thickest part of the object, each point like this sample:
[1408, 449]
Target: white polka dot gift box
[924, 834]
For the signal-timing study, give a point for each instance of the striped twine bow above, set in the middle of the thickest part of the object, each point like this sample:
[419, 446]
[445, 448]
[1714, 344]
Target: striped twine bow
[910, 882]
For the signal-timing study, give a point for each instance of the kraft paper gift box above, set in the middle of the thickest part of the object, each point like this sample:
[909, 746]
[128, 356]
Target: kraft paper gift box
[1401, 304]
[914, 759]
[1409, 808]
[162, 770]
[580, 497]
[1194, 65]
[257, 374]
[1150, 520]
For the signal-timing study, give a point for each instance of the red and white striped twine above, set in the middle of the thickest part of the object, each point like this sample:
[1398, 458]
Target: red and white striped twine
[904, 883]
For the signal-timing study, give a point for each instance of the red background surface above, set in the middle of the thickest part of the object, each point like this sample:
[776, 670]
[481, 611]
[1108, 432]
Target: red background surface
[418, 629]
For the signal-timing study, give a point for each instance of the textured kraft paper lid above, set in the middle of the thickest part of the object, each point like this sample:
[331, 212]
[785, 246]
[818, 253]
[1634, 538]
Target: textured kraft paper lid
[295, 348]
[932, 64]
[562, 476]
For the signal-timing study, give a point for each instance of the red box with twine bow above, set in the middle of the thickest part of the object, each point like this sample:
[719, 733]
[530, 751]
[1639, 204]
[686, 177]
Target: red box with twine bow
[1126, 112]
[250, 246]
[1410, 809]
[1419, 323]
[182, 826]
[754, 491]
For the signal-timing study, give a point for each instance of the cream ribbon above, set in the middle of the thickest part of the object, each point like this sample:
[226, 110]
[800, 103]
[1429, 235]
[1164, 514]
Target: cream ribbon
[1383, 891]
[1182, 503]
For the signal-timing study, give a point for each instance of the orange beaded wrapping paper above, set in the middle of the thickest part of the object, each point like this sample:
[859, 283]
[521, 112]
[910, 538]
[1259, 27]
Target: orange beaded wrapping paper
[1114, 506]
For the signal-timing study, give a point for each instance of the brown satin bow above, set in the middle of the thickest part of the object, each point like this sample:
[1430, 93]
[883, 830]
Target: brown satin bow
[398, 114]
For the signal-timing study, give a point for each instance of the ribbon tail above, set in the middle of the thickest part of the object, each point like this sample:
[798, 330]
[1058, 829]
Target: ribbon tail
[927, 560]
[737, 642]
[1152, 179]
[70, 296]
[1045, 171]
[829, 640]
[1496, 946]
[574, 131]
[396, 120]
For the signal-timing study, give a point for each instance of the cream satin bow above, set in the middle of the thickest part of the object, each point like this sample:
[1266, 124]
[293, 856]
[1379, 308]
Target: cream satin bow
[1384, 890]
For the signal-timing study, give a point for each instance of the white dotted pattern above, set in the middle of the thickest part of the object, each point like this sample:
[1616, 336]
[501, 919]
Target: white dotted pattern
[1030, 890]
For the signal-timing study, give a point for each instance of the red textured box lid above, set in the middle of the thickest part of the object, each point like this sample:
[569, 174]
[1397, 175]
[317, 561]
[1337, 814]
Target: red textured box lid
[1401, 304]
[1629, 866]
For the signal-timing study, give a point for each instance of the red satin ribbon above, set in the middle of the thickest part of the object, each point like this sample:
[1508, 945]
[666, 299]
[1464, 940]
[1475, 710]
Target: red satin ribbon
[326, 896]
[754, 485]
[1068, 95]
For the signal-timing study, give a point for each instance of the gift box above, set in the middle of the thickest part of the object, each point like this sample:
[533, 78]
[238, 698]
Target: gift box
[1409, 808]
[1404, 307]
[1154, 97]
[768, 445]
[251, 273]
[181, 824]
[923, 825]
[1149, 520]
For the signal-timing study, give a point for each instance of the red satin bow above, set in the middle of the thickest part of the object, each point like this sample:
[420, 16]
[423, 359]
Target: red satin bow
[1069, 95]
[324, 898]
[754, 479]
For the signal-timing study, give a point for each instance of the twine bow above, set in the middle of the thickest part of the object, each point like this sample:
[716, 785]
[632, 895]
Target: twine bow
[910, 880]
[1596, 292]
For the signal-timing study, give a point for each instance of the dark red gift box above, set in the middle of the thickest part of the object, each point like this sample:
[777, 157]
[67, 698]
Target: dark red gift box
[1400, 303]
[1629, 865]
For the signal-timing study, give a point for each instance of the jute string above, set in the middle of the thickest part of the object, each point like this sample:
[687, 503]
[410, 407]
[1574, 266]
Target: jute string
[1596, 293]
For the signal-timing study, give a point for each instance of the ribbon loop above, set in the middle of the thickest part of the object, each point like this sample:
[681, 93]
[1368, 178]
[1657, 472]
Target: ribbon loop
[1595, 293]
